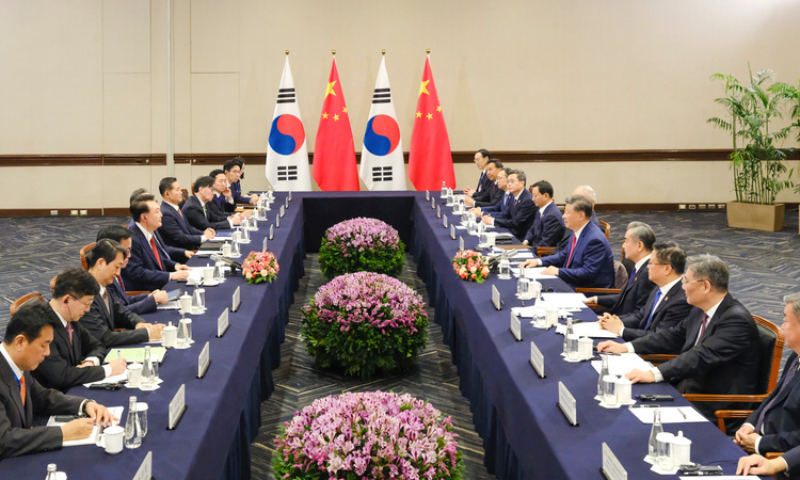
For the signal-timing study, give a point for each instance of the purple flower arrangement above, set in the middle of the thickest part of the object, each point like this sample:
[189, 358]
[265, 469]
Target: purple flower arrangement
[365, 323]
[368, 435]
[361, 244]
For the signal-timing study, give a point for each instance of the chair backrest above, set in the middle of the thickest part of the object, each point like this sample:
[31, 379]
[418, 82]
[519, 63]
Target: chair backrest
[24, 300]
[84, 262]
[544, 251]
[620, 275]
[53, 283]
[606, 229]
[771, 340]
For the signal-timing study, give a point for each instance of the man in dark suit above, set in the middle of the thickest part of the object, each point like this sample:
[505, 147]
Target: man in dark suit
[75, 356]
[223, 197]
[142, 303]
[175, 253]
[717, 344]
[666, 305]
[548, 224]
[149, 267]
[775, 425]
[518, 218]
[502, 205]
[638, 247]
[491, 195]
[106, 314]
[587, 192]
[588, 262]
[26, 344]
[199, 211]
[174, 229]
[234, 171]
[482, 156]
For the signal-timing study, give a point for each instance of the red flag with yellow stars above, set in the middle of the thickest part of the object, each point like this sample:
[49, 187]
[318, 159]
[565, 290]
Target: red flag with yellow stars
[334, 155]
[429, 159]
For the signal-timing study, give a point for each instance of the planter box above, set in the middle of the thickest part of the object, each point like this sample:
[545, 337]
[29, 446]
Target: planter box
[758, 217]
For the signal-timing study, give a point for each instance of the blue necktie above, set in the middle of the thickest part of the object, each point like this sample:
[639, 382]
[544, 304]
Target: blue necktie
[633, 275]
[653, 310]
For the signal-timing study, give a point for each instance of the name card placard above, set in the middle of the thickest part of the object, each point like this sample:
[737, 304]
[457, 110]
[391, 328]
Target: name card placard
[444, 221]
[566, 402]
[236, 300]
[460, 243]
[222, 323]
[288, 198]
[271, 231]
[433, 203]
[427, 195]
[264, 245]
[145, 471]
[278, 221]
[203, 361]
[515, 327]
[439, 211]
[496, 298]
[453, 232]
[176, 408]
[283, 210]
[612, 469]
[537, 360]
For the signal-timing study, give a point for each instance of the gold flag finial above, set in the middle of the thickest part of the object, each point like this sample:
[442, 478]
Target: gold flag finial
[287, 52]
[383, 52]
[333, 51]
[428, 51]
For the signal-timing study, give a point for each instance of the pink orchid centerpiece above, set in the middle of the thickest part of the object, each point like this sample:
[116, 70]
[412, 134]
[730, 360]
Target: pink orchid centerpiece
[361, 244]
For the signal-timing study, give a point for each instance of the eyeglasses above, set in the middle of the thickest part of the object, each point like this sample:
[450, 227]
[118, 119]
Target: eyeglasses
[85, 305]
[685, 282]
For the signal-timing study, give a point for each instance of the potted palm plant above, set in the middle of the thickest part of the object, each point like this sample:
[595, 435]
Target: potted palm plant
[792, 95]
[759, 171]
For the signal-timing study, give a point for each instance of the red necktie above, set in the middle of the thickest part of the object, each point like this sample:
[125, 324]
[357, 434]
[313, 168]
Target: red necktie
[155, 252]
[571, 251]
[22, 392]
[121, 283]
[69, 331]
[702, 329]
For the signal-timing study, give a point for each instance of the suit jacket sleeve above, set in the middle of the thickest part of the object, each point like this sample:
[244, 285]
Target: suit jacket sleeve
[671, 317]
[173, 235]
[669, 341]
[56, 372]
[95, 324]
[490, 200]
[608, 300]
[556, 259]
[593, 255]
[519, 218]
[141, 304]
[792, 458]
[141, 275]
[194, 215]
[552, 233]
[732, 330]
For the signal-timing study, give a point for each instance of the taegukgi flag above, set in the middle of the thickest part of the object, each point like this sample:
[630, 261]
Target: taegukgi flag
[287, 156]
[382, 166]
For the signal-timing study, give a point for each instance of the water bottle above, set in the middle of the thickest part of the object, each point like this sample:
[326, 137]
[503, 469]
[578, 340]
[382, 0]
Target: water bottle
[52, 474]
[133, 429]
[147, 371]
[601, 389]
[567, 332]
[652, 452]
[444, 190]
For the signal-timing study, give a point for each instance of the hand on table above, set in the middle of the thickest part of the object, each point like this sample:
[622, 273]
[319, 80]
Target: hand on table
[180, 274]
[77, 429]
[161, 297]
[612, 323]
[468, 191]
[99, 414]
[209, 233]
[118, 366]
[534, 262]
[640, 376]
[551, 270]
[611, 347]
[758, 465]
[189, 253]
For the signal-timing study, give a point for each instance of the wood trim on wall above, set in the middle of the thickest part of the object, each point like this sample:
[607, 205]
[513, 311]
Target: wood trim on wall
[704, 155]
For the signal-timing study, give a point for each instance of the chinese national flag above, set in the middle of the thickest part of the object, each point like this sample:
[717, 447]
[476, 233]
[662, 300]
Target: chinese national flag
[429, 159]
[334, 155]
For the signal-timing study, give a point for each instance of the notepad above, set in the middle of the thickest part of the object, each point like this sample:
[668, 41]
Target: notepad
[136, 354]
[670, 415]
[92, 438]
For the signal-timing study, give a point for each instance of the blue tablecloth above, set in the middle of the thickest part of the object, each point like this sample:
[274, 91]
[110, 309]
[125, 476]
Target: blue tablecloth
[213, 439]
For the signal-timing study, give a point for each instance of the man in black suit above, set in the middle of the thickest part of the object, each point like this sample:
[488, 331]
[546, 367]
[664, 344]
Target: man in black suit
[491, 195]
[75, 356]
[666, 305]
[519, 216]
[548, 224]
[26, 344]
[199, 210]
[775, 425]
[481, 157]
[638, 247]
[142, 303]
[234, 172]
[174, 229]
[175, 253]
[588, 193]
[717, 345]
[106, 314]
[149, 266]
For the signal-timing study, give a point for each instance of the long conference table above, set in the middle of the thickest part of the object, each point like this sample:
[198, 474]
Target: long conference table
[525, 434]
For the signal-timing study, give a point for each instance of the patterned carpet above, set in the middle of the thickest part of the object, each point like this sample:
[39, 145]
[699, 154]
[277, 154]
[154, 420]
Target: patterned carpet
[764, 268]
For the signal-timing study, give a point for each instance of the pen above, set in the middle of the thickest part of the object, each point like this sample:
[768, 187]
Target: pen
[119, 354]
[681, 412]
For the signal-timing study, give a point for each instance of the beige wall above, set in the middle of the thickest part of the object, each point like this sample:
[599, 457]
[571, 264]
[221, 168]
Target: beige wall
[89, 76]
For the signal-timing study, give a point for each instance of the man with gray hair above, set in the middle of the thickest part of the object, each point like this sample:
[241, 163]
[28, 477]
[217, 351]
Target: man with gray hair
[717, 344]
[775, 425]
[638, 247]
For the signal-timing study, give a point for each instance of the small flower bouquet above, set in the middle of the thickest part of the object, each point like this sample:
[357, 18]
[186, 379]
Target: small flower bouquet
[361, 244]
[260, 267]
[365, 323]
[471, 266]
[368, 435]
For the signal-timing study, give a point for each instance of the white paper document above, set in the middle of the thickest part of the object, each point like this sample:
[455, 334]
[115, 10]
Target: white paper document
[112, 379]
[622, 363]
[91, 439]
[587, 329]
[221, 238]
[670, 415]
[534, 273]
[171, 305]
[565, 300]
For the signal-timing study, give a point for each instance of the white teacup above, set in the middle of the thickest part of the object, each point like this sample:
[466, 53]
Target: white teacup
[135, 374]
[623, 390]
[186, 303]
[226, 250]
[585, 345]
[170, 336]
[112, 439]
[208, 274]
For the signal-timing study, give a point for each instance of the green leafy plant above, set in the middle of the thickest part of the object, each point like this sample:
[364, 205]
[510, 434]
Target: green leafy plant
[365, 323]
[758, 164]
[361, 245]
